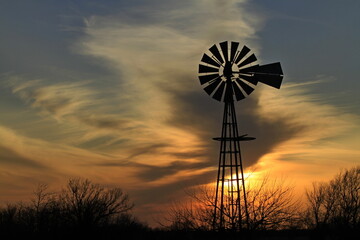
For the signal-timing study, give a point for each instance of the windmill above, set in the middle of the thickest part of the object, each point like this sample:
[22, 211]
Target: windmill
[228, 74]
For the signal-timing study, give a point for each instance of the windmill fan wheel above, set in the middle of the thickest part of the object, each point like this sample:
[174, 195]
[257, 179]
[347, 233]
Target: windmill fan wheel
[225, 72]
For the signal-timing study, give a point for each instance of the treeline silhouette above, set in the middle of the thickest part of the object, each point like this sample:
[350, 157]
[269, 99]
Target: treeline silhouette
[81, 210]
[85, 210]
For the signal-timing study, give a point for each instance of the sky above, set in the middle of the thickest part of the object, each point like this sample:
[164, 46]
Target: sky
[108, 90]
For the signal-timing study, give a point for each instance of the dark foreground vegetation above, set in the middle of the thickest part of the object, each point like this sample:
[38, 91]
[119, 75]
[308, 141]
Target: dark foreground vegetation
[84, 210]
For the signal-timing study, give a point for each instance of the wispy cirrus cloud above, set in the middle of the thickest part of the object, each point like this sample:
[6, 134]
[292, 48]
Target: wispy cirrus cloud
[74, 103]
[57, 99]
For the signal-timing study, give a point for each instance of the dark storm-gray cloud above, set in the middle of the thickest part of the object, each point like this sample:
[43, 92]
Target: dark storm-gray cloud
[152, 173]
[197, 112]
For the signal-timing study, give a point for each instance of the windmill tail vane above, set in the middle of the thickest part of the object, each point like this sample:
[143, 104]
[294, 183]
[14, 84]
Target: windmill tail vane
[230, 73]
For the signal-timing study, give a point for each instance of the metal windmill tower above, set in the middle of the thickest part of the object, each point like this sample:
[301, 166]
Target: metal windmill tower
[227, 75]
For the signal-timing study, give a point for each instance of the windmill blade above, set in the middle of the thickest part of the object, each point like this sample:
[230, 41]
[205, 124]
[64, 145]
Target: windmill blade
[245, 50]
[219, 92]
[238, 94]
[249, 78]
[234, 47]
[247, 61]
[249, 70]
[224, 49]
[207, 69]
[272, 80]
[212, 86]
[209, 60]
[206, 78]
[272, 68]
[244, 86]
[215, 51]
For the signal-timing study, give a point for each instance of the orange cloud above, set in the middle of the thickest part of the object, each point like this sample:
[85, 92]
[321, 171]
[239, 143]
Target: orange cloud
[325, 143]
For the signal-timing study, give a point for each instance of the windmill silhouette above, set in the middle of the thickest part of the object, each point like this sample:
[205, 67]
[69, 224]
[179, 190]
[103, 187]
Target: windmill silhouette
[227, 75]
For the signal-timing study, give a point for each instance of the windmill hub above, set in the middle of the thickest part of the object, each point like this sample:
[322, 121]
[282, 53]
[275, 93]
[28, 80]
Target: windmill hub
[228, 73]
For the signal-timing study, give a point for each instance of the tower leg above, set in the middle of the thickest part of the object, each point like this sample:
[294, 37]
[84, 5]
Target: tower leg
[230, 195]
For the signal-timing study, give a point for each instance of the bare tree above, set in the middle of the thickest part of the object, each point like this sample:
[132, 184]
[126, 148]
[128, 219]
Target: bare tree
[41, 197]
[271, 205]
[321, 204]
[8, 215]
[89, 204]
[39, 215]
[347, 184]
[194, 213]
[81, 208]
[336, 202]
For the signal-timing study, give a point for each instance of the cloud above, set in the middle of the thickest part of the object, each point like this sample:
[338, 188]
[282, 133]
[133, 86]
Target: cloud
[56, 99]
[163, 50]
[308, 111]
[324, 140]
[10, 157]
[104, 122]
[153, 173]
[54, 163]
[76, 104]
[204, 117]
[156, 51]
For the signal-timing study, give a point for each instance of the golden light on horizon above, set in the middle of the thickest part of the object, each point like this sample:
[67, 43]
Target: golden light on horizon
[250, 177]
